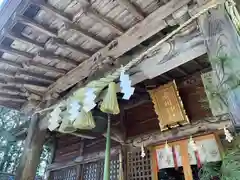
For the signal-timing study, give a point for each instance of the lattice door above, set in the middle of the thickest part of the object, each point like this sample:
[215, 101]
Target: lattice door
[70, 173]
[90, 171]
[139, 168]
[94, 171]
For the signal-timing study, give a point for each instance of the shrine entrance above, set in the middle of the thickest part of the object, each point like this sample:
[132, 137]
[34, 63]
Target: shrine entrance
[181, 160]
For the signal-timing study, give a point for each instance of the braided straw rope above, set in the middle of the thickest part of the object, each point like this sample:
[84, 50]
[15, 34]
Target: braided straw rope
[103, 82]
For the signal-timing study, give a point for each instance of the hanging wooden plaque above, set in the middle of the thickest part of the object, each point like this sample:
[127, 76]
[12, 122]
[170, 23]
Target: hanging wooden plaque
[168, 106]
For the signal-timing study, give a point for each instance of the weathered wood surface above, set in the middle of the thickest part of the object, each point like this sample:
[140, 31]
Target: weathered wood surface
[142, 118]
[200, 127]
[222, 40]
[194, 98]
[90, 157]
[122, 44]
[169, 55]
[32, 151]
[131, 8]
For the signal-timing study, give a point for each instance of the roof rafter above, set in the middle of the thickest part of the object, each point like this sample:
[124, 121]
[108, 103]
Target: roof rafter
[29, 57]
[6, 96]
[92, 13]
[17, 80]
[89, 11]
[33, 24]
[120, 45]
[21, 38]
[49, 8]
[23, 71]
[11, 63]
[11, 104]
[53, 33]
[132, 9]
[45, 67]
[12, 89]
[84, 33]
[63, 44]
[15, 52]
[50, 56]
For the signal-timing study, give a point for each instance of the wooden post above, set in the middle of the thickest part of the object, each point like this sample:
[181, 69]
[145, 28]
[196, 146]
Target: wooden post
[222, 40]
[32, 151]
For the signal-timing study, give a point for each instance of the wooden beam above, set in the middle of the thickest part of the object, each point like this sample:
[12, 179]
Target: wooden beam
[13, 89]
[21, 38]
[122, 44]
[17, 98]
[67, 20]
[33, 91]
[197, 64]
[45, 67]
[132, 9]
[17, 80]
[36, 75]
[23, 71]
[170, 55]
[63, 44]
[29, 63]
[51, 9]
[181, 132]
[11, 63]
[92, 13]
[13, 92]
[32, 151]
[16, 52]
[84, 33]
[85, 158]
[51, 56]
[11, 104]
[166, 77]
[31, 23]
[179, 69]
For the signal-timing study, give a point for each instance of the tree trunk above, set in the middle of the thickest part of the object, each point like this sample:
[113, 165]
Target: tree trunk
[222, 41]
[32, 151]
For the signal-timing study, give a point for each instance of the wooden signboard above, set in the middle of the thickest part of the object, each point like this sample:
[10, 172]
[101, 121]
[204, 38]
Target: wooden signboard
[168, 106]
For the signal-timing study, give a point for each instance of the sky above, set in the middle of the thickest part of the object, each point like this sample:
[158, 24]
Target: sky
[1, 2]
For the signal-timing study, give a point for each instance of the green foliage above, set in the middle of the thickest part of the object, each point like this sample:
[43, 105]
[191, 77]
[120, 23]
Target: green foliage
[209, 171]
[229, 169]
[11, 147]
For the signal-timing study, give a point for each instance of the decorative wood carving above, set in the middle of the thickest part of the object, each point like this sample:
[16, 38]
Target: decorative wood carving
[222, 40]
[168, 106]
[169, 55]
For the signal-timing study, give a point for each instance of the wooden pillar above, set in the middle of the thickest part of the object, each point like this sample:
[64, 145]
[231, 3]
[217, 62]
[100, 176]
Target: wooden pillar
[222, 40]
[32, 151]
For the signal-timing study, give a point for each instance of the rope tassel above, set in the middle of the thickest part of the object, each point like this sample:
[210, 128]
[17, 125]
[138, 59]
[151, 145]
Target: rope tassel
[110, 103]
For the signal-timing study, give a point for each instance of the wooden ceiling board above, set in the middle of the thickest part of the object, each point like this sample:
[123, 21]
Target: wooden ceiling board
[50, 38]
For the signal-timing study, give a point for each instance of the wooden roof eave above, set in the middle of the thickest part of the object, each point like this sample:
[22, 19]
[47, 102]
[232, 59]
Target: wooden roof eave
[122, 44]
